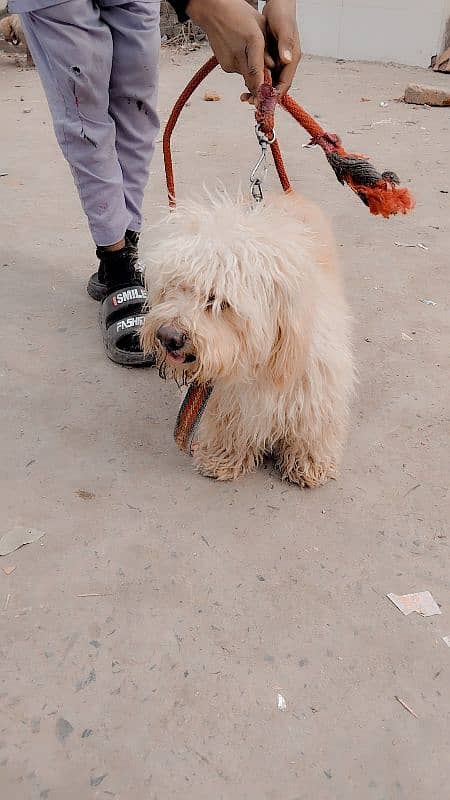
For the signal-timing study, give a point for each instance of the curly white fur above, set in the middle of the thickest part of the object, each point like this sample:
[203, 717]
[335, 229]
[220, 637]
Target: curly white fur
[257, 295]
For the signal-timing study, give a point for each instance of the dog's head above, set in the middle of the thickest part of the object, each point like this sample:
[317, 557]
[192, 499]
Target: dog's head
[227, 295]
[11, 29]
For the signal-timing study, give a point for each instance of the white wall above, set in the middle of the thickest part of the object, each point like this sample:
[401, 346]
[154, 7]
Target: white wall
[404, 31]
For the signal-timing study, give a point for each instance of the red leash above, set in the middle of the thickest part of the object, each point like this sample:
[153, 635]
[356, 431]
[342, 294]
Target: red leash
[379, 191]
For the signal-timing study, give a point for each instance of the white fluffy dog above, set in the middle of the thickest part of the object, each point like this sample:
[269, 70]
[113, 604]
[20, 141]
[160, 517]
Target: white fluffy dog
[250, 300]
[12, 31]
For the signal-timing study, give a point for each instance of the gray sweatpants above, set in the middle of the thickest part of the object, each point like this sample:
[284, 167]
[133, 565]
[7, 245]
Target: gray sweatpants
[99, 67]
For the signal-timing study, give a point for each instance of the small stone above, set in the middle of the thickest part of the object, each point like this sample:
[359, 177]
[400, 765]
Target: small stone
[87, 732]
[212, 97]
[422, 95]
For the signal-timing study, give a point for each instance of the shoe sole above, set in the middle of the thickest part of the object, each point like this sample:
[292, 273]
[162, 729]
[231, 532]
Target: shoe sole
[95, 289]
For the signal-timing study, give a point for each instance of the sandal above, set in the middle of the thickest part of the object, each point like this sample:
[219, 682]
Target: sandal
[121, 319]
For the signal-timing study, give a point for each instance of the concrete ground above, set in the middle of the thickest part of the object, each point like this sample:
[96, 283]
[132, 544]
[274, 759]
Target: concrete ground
[145, 638]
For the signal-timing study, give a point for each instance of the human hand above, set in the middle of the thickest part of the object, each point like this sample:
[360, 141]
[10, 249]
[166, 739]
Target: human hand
[282, 42]
[236, 34]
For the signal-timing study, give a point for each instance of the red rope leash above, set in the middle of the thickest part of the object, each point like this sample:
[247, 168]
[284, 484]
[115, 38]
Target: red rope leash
[379, 191]
[195, 81]
[190, 414]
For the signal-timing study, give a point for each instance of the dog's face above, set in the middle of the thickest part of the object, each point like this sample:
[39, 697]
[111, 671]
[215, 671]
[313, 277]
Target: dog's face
[11, 29]
[225, 292]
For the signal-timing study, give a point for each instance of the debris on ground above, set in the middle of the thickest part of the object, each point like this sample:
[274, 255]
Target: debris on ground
[212, 97]
[9, 570]
[281, 703]
[406, 337]
[91, 678]
[95, 780]
[85, 494]
[421, 245]
[63, 729]
[383, 103]
[422, 95]
[427, 302]
[7, 599]
[3, 174]
[406, 706]
[446, 640]
[413, 489]
[421, 602]
[18, 537]
[441, 63]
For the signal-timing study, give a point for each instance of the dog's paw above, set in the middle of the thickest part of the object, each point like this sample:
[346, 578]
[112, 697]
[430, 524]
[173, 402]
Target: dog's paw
[308, 473]
[217, 472]
[222, 466]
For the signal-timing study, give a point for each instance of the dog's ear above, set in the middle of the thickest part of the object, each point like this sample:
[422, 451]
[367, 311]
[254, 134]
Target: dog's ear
[291, 343]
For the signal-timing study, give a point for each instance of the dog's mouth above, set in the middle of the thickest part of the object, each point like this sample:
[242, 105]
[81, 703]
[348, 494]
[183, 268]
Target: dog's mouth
[172, 357]
[175, 346]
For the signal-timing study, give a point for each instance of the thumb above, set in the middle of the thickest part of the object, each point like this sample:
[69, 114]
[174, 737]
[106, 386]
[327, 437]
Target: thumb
[254, 72]
[285, 46]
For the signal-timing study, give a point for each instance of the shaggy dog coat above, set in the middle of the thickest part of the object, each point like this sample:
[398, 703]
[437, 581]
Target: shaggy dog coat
[250, 300]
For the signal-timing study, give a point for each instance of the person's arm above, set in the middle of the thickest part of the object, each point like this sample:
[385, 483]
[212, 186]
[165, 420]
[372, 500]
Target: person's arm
[236, 33]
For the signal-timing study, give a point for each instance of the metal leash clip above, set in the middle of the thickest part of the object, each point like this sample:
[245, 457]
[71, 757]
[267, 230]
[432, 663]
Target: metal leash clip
[259, 171]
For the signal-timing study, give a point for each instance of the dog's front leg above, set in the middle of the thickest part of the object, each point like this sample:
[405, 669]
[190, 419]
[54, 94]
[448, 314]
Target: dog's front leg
[220, 452]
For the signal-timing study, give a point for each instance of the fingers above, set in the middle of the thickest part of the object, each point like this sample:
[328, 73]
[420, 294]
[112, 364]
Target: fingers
[268, 60]
[253, 69]
[285, 78]
[287, 43]
[289, 55]
[246, 97]
[283, 42]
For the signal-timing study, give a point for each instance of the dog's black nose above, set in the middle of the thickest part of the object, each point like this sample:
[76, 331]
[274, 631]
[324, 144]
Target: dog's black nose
[171, 338]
